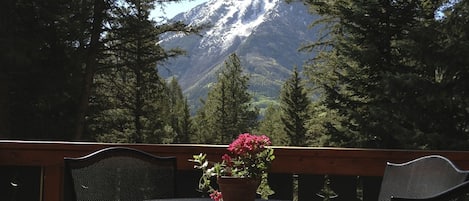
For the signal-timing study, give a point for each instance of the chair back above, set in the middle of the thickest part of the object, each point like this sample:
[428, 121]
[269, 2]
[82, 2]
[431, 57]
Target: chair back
[120, 173]
[420, 178]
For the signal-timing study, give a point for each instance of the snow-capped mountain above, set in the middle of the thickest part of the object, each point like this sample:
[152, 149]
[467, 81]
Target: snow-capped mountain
[265, 34]
[235, 20]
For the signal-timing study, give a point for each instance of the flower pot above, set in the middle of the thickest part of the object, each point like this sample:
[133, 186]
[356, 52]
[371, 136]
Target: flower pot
[238, 189]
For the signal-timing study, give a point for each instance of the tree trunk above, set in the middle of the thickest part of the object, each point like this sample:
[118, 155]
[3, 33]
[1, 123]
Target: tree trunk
[137, 138]
[91, 66]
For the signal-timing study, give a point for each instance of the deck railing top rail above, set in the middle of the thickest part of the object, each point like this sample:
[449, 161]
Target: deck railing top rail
[289, 160]
[300, 160]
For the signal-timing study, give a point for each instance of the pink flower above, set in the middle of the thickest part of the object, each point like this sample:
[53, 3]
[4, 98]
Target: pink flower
[216, 195]
[249, 157]
[227, 159]
[248, 144]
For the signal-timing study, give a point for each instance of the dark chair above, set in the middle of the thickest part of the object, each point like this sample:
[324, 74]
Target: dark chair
[119, 174]
[427, 178]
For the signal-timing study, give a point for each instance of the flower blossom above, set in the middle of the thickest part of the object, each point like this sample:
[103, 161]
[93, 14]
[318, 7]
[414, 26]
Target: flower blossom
[227, 159]
[216, 195]
[248, 144]
[249, 157]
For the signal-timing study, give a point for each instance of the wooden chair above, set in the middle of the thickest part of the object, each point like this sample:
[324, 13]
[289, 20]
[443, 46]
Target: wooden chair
[427, 178]
[119, 173]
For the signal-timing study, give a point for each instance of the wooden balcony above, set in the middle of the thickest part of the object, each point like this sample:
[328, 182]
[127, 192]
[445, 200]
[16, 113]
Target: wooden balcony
[33, 170]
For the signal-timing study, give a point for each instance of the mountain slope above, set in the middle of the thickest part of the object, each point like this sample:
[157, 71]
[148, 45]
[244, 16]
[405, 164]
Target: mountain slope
[266, 35]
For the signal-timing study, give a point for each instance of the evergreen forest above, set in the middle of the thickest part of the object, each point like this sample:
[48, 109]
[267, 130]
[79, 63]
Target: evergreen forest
[388, 74]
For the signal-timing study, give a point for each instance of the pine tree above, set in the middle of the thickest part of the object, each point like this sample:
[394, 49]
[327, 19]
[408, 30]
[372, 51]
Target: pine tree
[227, 112]
[90, 60]
[272, 126]
[443, 121]
[134, 99]
[53, 53]
[202, 133]
[295, 103]
[179, 114]
[42, 55]
[120, 20]
[321, 119]
[379, 72]
[186, 128]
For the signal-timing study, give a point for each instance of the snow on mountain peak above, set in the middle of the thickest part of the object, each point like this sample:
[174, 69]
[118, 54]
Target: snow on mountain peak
[232, 21]
[265, 34]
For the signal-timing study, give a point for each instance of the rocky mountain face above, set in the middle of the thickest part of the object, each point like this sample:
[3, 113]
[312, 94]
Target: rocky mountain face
[265, 34]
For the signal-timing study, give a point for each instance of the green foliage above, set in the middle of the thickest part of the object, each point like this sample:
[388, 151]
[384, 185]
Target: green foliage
[150, 110]
[60, 56]
[130, 83]
[249, 157]
[321, 119]
[227, 110]
[294, 103]
[42, 55]
[390, 72]
[272, 126]
[179, 114]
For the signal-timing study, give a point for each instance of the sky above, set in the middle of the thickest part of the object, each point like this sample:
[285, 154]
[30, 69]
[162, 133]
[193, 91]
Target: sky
[172, 9]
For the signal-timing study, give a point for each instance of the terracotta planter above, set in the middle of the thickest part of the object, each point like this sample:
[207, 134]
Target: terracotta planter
[238, 189]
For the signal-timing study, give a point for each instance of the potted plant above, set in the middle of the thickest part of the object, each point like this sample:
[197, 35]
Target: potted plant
[247, 164]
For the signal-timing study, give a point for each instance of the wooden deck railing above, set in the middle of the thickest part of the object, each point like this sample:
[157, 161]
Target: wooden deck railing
[354, 173]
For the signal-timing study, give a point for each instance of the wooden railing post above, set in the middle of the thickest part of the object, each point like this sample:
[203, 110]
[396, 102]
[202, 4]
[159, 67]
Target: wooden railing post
[52, 183]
